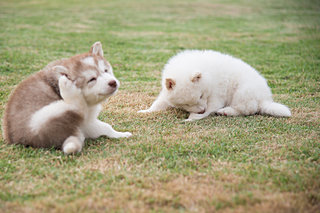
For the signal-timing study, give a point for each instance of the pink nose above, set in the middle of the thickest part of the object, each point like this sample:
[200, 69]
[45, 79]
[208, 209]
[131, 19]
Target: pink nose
[112, 84]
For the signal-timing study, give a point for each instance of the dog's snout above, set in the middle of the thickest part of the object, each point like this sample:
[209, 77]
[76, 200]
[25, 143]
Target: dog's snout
[112, 84]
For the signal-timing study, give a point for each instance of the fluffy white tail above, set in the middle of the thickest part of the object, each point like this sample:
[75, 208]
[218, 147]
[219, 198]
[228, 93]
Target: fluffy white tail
[275, 109]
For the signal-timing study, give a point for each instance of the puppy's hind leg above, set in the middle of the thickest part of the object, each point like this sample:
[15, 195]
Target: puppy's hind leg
[158, 105]
[213, 106]
[228, 111]
[52, 124]
[244, 102]
[73, 144]
[71, 94]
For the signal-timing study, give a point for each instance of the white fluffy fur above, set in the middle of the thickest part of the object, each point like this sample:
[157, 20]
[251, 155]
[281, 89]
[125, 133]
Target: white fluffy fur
[205, 82]
[101, 65]
[89, 61]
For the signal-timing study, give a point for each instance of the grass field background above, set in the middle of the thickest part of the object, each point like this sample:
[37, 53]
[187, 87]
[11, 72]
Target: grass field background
[219, 164]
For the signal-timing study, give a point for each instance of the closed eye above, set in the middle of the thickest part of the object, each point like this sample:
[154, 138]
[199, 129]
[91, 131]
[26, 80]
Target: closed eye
[201, 96]
[92, 80]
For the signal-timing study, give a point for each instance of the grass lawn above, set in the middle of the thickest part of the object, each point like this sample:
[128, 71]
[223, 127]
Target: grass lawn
[219, 164]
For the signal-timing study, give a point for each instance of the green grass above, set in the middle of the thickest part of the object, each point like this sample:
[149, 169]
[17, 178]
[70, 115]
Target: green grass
[223, 164]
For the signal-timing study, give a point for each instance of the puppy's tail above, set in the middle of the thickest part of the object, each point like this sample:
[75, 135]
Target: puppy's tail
[275, 109]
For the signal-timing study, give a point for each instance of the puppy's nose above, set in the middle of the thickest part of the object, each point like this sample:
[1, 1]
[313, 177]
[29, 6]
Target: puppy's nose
[112, 84]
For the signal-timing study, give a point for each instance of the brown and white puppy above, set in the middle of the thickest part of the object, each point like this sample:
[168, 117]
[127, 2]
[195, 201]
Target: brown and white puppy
[59, 105]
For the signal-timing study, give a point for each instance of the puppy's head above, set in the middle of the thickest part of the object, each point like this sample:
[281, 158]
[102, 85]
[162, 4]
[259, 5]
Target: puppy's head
[92, 73]
[187, 92]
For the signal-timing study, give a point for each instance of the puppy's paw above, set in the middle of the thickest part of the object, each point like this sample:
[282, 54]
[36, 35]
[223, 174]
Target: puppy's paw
[196, 116]
[228, 111]
[188, 120]
[70, 148]
[144, 111]
[64, 82]
[68, 90]
[68, 87]
[126, 134]
[123, 135]
[71, 145]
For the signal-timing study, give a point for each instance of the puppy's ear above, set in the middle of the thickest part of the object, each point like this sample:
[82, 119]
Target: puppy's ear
[96, 49]
[196, 77]
[170, 83]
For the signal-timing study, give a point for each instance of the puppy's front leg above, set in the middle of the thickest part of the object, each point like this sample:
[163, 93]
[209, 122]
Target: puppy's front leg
[98, 128]
[70, 93]
[212, 107]
[158, 105]
[196, 116]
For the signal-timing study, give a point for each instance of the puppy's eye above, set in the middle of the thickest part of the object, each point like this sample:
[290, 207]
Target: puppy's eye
[105, 70]
[92, 80]
[201, 96]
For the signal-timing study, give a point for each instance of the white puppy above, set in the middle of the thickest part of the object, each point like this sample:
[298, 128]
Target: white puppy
[205, 82]
[59, 105]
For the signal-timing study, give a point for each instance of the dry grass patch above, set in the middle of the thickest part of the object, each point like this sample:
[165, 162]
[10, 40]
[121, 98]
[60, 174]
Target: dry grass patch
[305, 115]
[191, 193]
[128, 103]
[195, 193]
[105, 165]
[278, 202]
